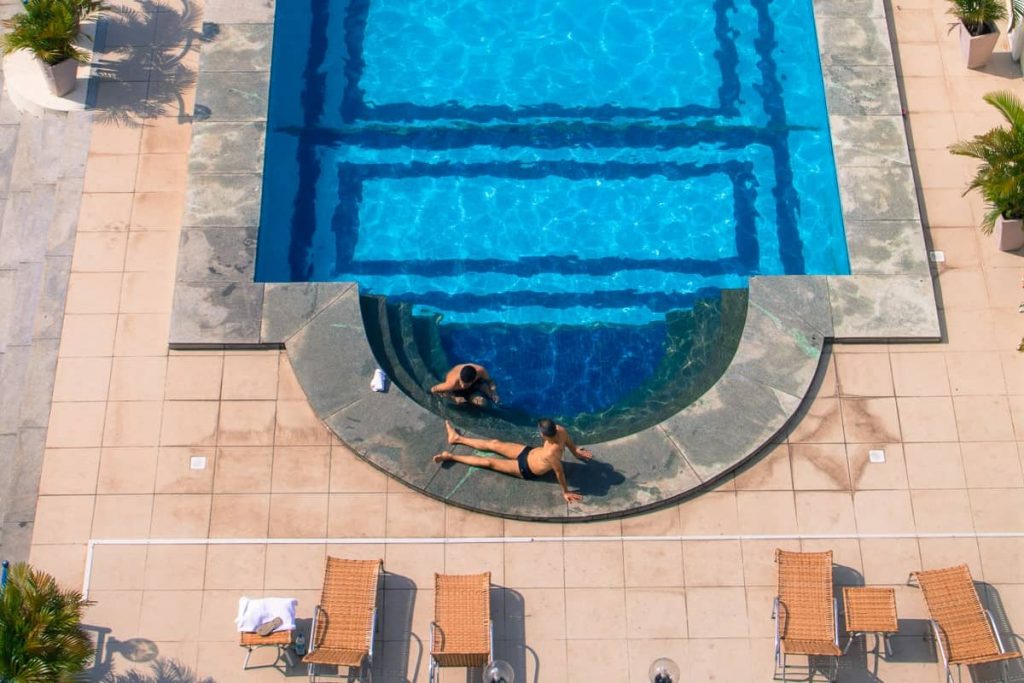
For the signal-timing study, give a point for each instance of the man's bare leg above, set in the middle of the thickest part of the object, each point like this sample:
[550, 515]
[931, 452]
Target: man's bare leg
[503, 466]
[509, 450]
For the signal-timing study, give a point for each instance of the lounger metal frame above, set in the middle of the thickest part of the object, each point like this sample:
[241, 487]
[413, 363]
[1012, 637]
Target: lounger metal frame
[804, 580]
[365, 666]
[369, 656]
[936, 635]
[433, 666]
[782, 666]
[463, 616]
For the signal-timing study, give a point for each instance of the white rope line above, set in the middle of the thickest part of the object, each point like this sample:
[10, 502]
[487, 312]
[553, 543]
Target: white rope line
[443, 540]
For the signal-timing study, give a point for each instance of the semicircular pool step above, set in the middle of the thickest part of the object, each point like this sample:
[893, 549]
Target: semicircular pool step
[700, 343]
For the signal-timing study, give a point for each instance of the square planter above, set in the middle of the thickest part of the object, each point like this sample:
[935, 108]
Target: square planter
[977, 49]
[61, 77]
[1010, 233]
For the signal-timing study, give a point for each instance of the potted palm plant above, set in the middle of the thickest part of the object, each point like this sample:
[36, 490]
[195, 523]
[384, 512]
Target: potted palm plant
[1000, 177]
[41, 640]
[977, 26]
[50, 30]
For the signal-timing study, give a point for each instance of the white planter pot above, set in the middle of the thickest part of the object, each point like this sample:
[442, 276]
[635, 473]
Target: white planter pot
[61, 77]
[1010, 233]
[977, 49]
[1016, 38]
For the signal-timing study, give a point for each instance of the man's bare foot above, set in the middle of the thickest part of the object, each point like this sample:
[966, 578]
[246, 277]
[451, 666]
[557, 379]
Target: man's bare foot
[443, 456]
[453, 434]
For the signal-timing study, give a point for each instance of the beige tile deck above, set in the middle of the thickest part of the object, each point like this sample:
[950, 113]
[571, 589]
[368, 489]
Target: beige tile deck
[128, 417]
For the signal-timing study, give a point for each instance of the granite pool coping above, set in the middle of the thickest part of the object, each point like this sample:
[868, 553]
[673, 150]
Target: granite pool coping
[889, 296]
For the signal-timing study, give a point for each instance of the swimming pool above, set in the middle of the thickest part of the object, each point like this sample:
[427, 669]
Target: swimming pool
[559, 190]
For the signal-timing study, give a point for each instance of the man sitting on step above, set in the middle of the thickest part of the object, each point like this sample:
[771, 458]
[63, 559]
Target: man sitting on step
[468, 382]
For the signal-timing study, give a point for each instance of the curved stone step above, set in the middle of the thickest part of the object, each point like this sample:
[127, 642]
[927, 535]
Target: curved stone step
[428, 338]
[777, 356]
[398, 341]
[371, 309]
[376, 313]
[416, 365]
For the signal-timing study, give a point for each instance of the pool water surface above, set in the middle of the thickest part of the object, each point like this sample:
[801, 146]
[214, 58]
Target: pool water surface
[555, 185]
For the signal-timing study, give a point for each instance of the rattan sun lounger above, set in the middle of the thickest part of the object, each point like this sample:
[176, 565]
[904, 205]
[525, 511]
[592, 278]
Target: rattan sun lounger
[461, 634]
[964, 631]
[346, 618]
[805, 613]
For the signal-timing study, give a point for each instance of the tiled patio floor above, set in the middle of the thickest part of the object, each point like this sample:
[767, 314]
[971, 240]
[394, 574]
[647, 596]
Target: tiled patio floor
[127, 417]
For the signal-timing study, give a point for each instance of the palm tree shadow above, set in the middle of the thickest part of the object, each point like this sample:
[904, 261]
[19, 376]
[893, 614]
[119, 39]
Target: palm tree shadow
[144, 63]
[162, 670]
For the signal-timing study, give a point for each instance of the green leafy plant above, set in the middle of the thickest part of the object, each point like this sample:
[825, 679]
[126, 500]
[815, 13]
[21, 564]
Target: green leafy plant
[50, 29]
[1000, 177]
[41, 640]
[1016, 14]
[978, 16]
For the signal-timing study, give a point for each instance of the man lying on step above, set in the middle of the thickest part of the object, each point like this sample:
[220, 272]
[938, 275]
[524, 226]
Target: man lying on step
[525, 462]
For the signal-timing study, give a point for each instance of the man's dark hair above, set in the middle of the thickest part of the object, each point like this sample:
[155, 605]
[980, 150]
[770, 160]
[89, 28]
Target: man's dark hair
[547, 427]
[467, 374]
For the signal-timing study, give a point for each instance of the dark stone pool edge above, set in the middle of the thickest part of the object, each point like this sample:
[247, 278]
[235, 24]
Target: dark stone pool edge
[888, 298]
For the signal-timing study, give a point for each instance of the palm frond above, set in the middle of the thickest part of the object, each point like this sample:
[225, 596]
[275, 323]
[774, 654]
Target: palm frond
[978, 15]
[49, 29]
[1000, 175]
[1008, 105]
[41, 640]
[1016, 14]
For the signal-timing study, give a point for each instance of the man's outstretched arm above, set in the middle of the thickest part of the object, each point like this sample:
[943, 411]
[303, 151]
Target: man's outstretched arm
[443, 387]
[570, 496]
[580, 453]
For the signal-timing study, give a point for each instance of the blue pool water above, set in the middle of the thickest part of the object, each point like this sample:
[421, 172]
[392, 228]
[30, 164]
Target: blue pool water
[553, 178]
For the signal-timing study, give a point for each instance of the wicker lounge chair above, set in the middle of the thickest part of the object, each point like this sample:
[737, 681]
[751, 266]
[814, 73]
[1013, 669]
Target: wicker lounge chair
[462, 633]
[805, 613]
[346, 618]
[964, 631]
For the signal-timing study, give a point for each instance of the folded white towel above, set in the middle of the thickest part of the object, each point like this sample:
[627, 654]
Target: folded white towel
[253, 612]
[379, 381]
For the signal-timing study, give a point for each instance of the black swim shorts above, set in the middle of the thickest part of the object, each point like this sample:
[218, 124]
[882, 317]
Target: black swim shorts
[524, 467]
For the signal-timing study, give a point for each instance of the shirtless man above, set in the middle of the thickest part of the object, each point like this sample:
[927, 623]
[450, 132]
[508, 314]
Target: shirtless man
[468, 382]
[525, 462]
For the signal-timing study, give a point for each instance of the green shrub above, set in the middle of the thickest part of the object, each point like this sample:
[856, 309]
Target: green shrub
[49, 29]
[1000, 177]
[41, 640]
[978, 15]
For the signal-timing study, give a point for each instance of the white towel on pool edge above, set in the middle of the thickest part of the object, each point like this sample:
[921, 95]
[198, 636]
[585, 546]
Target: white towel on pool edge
[253, 612]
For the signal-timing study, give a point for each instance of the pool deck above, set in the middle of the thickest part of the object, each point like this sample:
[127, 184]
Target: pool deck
[572, 603]
[889, 296]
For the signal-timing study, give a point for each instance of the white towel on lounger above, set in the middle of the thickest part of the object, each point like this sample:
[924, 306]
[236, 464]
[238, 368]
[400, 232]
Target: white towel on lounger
[253, 612]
